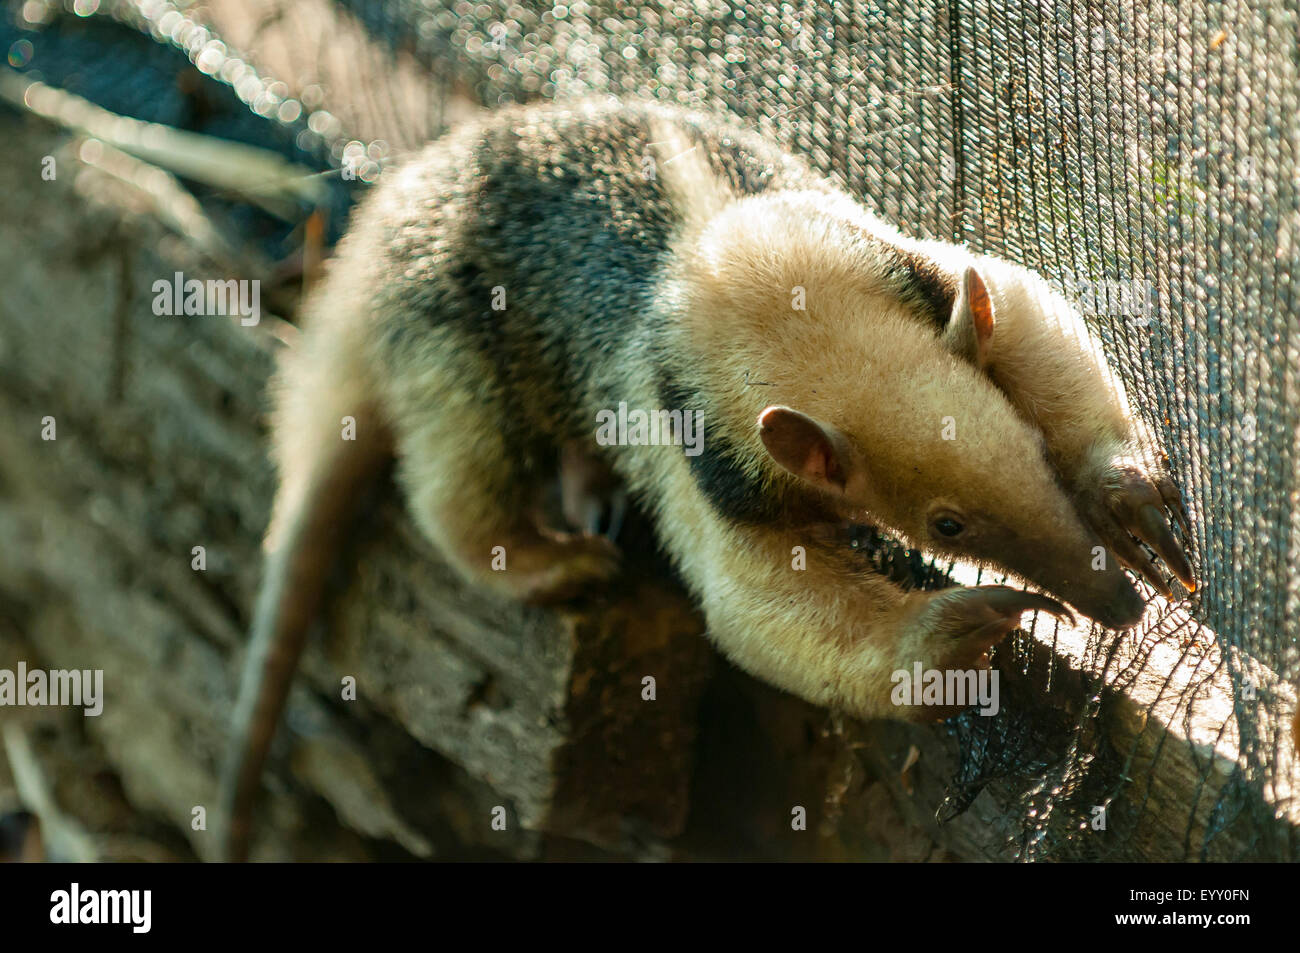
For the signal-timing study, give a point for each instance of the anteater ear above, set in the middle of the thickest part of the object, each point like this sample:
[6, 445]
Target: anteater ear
[808, 448]
[970, 332]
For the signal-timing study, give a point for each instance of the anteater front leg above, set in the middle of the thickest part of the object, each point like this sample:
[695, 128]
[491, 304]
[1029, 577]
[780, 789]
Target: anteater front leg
[842, 638]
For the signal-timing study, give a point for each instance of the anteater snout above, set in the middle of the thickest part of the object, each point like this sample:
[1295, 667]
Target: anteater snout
[1104, 595]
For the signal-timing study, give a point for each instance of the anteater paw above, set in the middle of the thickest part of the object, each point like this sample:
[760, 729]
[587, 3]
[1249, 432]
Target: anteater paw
[963, 623]
[954, 630]
[1128, 505]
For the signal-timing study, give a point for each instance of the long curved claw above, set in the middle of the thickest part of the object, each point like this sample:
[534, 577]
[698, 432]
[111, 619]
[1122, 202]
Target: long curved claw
[1132, 506]
[958, 626]
[592, 499]
[1131, 555]
[1173, 501]
[1014, 602]
[981, 615]
[1155, 532]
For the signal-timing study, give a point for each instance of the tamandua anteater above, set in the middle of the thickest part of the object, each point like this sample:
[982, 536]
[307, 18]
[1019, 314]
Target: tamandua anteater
[531, 276]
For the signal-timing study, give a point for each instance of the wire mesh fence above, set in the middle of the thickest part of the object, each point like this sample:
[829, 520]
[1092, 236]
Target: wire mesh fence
[1142, 156]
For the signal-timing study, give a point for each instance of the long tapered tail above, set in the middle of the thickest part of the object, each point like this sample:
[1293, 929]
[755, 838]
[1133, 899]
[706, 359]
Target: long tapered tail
[310, 517]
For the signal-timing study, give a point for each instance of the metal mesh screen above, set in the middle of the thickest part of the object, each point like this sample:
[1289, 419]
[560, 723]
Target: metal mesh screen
[1141, 155]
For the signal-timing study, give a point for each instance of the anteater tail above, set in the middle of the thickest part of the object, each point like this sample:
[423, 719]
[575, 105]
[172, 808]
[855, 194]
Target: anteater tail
[329, 442]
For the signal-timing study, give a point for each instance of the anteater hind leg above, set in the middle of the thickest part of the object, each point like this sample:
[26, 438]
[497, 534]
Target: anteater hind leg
[475, 498]
[593, 498]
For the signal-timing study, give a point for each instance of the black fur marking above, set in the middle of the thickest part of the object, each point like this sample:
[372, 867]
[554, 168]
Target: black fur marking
[921, 280]
[729, 490]
[733, 493]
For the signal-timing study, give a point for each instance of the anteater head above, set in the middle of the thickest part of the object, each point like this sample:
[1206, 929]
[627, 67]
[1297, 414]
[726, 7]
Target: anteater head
[885, 417]
[968, 481]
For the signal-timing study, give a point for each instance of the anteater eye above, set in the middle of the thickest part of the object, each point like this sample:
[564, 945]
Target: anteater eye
[947, 526]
